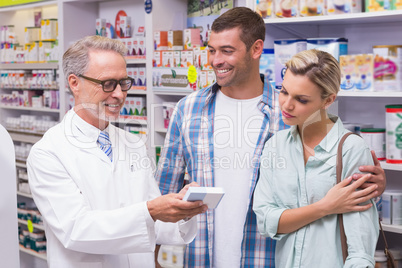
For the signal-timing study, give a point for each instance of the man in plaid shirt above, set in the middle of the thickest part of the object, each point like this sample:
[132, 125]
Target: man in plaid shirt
[218, 134]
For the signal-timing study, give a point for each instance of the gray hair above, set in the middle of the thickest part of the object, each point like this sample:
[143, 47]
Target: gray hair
[76, 58]
[320, 67]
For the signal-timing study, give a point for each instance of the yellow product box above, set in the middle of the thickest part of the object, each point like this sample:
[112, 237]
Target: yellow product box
[365, 72]
[348, 72]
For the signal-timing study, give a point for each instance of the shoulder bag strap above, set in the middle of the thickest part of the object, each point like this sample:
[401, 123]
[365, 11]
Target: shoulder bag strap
[338, 180]
[390, 257]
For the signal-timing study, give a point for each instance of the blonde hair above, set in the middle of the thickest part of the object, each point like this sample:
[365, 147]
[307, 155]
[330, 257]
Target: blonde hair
[76, 58]
[320, 67]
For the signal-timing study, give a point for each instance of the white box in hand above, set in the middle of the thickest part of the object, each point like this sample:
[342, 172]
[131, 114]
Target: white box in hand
[211, 196]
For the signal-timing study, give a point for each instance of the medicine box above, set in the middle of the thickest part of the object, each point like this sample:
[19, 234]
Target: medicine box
[161, 40]
[191, 38]
[210, 196]
[285, 49]
[348, 72]
[335, 46]
[175, 40]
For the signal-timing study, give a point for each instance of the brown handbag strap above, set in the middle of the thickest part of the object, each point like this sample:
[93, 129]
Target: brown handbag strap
[338, 180]
[390, 257]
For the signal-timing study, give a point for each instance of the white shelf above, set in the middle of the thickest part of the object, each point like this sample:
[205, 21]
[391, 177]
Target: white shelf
[26, 195]
[387, 166]
[24, 137]
[370, 94]
[132, 120]
[355, 18]
[392, 228]
[48, 110]
[137, 91]
[29, 66]
[37, 226]
[172, 91]
[33, 253]
[161, 130]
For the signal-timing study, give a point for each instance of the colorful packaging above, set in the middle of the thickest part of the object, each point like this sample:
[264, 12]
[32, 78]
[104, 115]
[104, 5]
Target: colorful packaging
[284, 50]
[378, 5]
[387, 68]
[161, 40]
[264, 8]
[286, 8]
[175, 40]
[191, 38]
[365, 72]
[311, 8]
[393, 138]
[348, 72]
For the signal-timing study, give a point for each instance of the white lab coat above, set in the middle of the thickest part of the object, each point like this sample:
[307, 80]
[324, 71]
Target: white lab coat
[95, 211]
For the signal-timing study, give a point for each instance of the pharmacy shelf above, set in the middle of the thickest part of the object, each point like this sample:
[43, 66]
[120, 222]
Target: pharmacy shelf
[26, 195]
[392, 228]
[22, 108]
[135, 60]
[132, 120]
[24, 137]
[370, 94]
[387, 166]
[34, 253]
[28, 89]
[20, 164]
[354, 18]
[137, 91]
[172, 91]
[161, 130]
[37, 226]
[29, 66]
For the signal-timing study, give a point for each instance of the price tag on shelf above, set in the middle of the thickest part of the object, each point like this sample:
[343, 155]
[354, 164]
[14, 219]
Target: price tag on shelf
[192, 74]
[30, 226]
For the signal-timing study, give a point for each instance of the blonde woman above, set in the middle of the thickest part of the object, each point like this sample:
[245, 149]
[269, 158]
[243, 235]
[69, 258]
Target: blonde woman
[298, 172]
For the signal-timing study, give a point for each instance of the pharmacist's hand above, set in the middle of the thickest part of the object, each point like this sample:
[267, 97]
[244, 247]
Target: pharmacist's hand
[171, 207]
[343, 197]
[378, 175]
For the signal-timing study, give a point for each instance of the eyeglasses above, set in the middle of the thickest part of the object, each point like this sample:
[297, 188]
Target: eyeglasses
[111, 84]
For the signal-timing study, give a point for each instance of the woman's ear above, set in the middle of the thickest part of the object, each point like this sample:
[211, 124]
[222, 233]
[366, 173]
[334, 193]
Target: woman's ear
[329, 100]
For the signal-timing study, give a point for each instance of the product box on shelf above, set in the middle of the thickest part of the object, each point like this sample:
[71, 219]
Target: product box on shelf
[347, 64]
[284, 50]
[335, 46]
[365, 72]
[379, 5]
[311, 8]
[100, 27]
[387, 68]
[343, 6]
[191, 37]
[160, 40]
[168, 108]
[286, 8]
[265, 8]
[139, 41]
[175, 40]
[267, 64]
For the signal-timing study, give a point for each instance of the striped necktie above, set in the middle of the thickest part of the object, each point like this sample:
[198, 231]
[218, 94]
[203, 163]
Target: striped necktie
[105, 144]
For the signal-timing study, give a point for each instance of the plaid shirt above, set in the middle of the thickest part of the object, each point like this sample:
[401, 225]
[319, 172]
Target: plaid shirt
[189, 143]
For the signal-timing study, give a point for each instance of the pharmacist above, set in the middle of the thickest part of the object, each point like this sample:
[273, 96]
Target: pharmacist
[100, 203]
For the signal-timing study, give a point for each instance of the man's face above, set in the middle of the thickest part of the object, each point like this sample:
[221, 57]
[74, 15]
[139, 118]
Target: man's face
[93, 104]
[229, 58]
